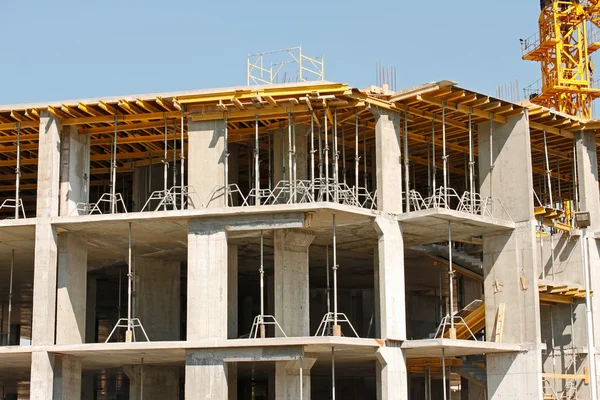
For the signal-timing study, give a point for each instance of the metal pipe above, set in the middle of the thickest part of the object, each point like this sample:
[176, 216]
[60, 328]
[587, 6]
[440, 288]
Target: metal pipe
[444, 155]
[312, 155]
[18, 172]
[326, 159]
[256, 165]
[433, 166]
[294, 160]
[182, 164]
[492, 159]
[444, 373]
[335, 267]
[548, 172]
[335, 157]
[406, 163]
[269, 134]
[356, 157]
[451, 279]
[262, 274]
[471, 160]
[589, 317]
[226, 162]
[142, 380]
[129, 288]
[301, 379]
[119, 298]
[575, 180]
[113, 183]
[290, 155]
[429, 183]
[328, 291]
[333, 373]
[165, 167]
[10, 294]
[320, 163]
[366, 178]
[344, 155]
[174, 167]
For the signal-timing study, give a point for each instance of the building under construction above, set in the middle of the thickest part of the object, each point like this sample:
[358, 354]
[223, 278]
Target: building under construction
[300, 240]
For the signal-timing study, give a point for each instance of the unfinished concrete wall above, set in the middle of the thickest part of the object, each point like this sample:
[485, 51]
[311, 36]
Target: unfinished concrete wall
[510, 260]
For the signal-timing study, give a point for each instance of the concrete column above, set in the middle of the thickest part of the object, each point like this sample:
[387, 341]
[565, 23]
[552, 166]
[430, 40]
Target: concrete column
[291, 282]
[589, 198]
[206, 376]
[48, 166]
[391, 318]
[510, 261]
[157, 297]
[388, 160]
[42, 376]
[71, 289]
[232, 292]
[206, 161]
[287, 379]
[207, 281]
[67, 378]
[152, 382]
[44, 293]
[74, 170]
[391, 374]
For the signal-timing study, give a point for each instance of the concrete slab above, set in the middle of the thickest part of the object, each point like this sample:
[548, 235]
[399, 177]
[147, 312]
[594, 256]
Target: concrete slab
[431, 225]
[108, 355]
[15, 363]
[163, 234]
[454, 348]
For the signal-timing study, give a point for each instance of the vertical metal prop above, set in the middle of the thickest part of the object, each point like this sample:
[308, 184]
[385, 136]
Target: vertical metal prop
[165, 166]
[290, 156]
[589, 318]
[335, 267]
[113, 183]
[335, 158]
[344, 155]
[226, 150]
[18, 173]
[471, 160]
[433, 166]
[312, 155]
[451, 279]
[444, 373]
[444, 155]
[174, 167]
[365, 158]
[328, 290]
[548, 171]
[10, 295]
[326, 159]
[406, 163]
[320, 162]
[491, 159]
[262, 286]
[294, 159]
[356, 157]
[256, 165]
[333, 373]
[182, 165]
[301, 379]
[269, 159]
[128, 334]
[142, 380]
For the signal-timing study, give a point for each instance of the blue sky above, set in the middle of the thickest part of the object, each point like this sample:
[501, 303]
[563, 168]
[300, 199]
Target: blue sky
[54, 50]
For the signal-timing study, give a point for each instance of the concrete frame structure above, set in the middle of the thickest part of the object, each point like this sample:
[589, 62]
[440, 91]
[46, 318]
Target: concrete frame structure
[195, 284]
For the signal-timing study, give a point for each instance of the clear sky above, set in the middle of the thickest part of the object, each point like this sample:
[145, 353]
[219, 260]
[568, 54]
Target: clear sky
[65, 49]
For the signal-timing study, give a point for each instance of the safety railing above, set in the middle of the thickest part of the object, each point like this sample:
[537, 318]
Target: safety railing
[468, 202]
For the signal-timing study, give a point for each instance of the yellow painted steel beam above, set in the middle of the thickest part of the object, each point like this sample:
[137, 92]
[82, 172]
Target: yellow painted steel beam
[121, 118]
[248, 115]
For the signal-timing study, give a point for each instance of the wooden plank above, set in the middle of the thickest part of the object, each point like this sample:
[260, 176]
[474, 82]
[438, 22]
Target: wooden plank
[500, 322]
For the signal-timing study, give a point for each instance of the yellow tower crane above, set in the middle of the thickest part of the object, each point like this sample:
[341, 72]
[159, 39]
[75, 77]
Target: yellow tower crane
[568, 35]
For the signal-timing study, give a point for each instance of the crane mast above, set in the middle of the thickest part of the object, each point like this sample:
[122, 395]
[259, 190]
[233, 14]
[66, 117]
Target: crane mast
[563, 45]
